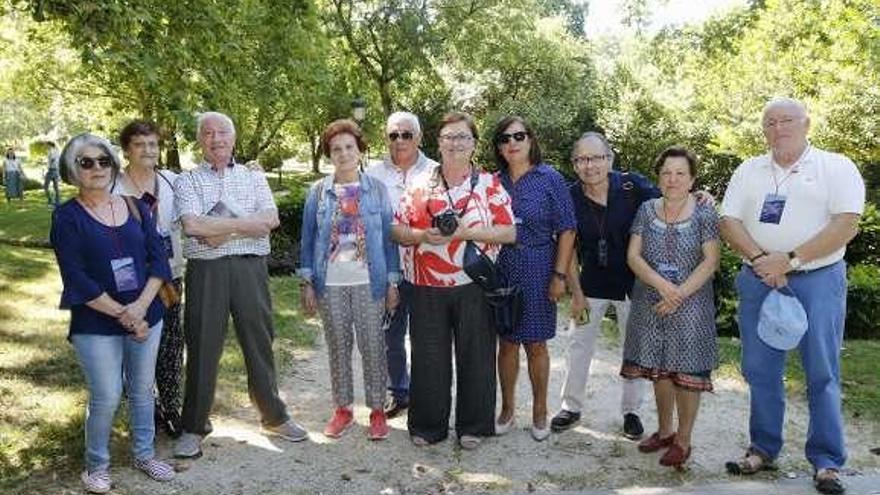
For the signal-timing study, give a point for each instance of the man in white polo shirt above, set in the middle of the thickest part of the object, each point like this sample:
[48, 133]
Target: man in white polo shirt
[790, 214]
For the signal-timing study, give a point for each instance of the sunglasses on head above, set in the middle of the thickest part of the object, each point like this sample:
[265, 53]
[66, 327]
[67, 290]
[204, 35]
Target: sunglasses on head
[405, 135]
[517, 136]
[88, 163]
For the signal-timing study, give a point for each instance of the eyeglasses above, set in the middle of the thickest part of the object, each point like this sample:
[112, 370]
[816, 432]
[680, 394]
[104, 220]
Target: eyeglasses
[588, 159]
[519, 136]
[456, 137]
[88, 163]
[405, 135]
[783, 122]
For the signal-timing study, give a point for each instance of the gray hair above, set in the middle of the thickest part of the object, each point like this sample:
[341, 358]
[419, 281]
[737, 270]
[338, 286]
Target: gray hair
[784, 101]
[410, 117]
[73, 151]
[602, 139]
[202, 117]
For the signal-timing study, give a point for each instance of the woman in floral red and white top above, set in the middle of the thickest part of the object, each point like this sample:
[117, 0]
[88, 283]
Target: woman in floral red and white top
[449, 310]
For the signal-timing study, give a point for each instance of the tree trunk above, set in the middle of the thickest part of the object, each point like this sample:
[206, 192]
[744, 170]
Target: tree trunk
[172, 154]
[316, 153]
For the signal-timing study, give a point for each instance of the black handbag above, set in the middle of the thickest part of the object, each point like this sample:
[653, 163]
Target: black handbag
[505, 300]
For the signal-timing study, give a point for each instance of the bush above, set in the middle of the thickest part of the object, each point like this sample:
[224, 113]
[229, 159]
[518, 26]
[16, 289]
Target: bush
[285, 239]
[725, 293]
[863, 302]
[865, 248]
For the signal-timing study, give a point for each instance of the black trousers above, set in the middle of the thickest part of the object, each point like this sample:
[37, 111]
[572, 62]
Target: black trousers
[215, 288]
[443, 317]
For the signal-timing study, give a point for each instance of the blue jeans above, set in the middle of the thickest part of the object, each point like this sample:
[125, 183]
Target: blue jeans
[106, 360]
[395, 346]
[822, 292]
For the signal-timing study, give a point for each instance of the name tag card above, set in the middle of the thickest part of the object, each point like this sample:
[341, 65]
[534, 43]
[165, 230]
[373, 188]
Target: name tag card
[771, 210]
[124, 274]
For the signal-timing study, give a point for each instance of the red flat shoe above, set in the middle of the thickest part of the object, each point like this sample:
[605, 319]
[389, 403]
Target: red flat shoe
[655, 443]
[675, 456]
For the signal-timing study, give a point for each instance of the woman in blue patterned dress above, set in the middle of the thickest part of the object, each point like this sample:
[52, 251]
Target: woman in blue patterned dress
[538, 263]
[670, 337]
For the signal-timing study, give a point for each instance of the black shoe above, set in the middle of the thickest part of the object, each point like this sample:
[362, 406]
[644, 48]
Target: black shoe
[632, 426]
[564, 420]
[393, 407]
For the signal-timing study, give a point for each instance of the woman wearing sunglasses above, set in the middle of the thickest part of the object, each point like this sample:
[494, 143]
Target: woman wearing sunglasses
[112, 265]
[537, 263]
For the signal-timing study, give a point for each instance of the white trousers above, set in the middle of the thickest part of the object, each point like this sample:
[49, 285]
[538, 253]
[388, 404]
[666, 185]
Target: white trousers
[580, 355]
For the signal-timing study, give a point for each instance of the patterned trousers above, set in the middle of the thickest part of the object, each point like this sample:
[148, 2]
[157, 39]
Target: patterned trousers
[169, 361]
[347, 310]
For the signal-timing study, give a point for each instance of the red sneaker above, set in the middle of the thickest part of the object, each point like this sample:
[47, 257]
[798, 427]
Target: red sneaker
[341, 421]
[378, 427]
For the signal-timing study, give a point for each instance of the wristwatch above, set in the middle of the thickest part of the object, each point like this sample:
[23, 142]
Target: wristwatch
[793, 261]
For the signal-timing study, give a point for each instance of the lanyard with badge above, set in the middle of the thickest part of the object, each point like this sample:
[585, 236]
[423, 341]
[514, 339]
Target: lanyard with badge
[774, 203]
[152, 200]
[124, 272]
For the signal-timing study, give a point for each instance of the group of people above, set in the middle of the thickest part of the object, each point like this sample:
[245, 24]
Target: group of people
[14, 177]
[384, 252]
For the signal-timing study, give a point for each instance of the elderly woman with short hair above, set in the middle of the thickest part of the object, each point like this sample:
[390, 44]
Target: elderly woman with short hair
[112, 265]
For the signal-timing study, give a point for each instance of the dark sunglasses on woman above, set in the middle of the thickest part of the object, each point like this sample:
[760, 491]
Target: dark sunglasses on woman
[88, 163]
[517, 136]
[405, 135]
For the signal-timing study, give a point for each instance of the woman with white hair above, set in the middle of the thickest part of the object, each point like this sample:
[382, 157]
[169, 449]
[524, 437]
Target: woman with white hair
[112, 264]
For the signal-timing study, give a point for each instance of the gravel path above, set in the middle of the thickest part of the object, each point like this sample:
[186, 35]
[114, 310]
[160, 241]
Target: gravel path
[238, 460]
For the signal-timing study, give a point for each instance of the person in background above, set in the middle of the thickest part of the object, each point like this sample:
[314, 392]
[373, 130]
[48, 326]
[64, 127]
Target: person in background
[112, 264]
[13, 176]
[670, 337]
[52, 175]
[537, 263]
[403, 166]
[142, 179]
[350, 271]
[436, 218]
[789, 214]
[227, 212]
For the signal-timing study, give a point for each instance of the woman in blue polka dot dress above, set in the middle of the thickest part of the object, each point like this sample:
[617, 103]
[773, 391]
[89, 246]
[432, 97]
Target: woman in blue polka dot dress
[537, 263]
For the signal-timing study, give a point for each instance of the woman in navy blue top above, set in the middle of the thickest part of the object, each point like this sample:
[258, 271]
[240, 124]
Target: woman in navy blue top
[112, 264]
[537, 263]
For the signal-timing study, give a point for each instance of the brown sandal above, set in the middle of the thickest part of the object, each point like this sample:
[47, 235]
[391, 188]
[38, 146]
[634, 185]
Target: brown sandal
[750, 463]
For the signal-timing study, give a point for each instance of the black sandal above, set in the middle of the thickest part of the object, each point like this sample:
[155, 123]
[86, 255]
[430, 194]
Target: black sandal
[828, 481]
[750, 463]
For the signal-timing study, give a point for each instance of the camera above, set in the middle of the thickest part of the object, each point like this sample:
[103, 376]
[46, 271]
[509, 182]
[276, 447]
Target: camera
[446, 223]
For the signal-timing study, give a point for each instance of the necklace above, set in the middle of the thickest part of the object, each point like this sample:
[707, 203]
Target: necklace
[97, 209]
[666, 214]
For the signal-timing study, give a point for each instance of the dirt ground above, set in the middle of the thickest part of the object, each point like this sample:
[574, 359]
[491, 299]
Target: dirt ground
[239, 460]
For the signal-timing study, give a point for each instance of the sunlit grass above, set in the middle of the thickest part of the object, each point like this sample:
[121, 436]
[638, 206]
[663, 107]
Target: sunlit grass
[28, 220]
[42, 392]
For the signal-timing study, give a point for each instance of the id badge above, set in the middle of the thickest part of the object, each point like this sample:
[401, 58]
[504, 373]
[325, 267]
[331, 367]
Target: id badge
[668, 271]
[166, 242]
[602, 253]
[771, 211]
[124, 274]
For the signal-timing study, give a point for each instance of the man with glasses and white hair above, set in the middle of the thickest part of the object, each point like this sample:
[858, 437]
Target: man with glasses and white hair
[605, 204]
[789, 214]
[227, 212]
[404, 165]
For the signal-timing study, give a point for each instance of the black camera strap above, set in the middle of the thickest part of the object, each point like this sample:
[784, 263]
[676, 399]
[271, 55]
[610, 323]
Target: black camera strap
[475, 177]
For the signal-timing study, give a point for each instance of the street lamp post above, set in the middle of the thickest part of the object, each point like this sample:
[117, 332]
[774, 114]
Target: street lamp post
[358, 110]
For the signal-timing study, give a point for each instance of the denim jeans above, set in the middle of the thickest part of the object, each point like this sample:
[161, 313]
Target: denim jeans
[395, 346]
[822, 292]
[107, 361]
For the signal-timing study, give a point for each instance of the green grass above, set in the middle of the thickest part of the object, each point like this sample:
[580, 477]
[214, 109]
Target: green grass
[42, 393]
[28, 220]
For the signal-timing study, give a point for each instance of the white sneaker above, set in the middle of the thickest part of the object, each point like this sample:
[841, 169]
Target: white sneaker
[97, 481]
[289, 430]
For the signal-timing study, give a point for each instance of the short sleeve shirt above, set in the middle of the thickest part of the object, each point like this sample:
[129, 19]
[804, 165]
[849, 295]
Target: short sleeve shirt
[487, 204]
[819, 185]
[611, 222]
[542, 207]
[243, 192]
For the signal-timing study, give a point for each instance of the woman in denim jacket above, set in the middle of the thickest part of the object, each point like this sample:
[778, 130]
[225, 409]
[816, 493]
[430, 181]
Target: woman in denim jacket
[350, 271]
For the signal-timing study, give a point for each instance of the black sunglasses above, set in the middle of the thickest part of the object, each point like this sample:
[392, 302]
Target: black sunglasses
[405, 135]
[88, 163]
[518, 136]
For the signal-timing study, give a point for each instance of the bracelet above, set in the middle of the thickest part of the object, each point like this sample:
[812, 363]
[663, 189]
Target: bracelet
[755, 257]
